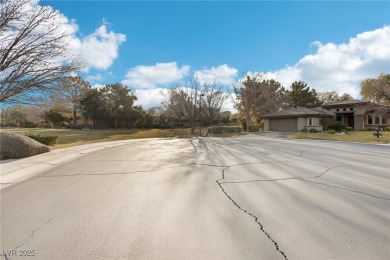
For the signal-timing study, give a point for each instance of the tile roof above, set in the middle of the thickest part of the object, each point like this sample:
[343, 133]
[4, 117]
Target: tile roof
[300, 112]
[349, 102]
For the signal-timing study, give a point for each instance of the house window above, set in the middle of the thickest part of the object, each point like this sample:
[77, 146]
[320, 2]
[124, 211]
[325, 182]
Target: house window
[337, 109]
[311, 121]
[344, 109]
[351, 109]
[369, 120]
[377, 120]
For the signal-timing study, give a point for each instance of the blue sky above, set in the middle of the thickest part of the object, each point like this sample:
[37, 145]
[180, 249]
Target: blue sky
[150, 45]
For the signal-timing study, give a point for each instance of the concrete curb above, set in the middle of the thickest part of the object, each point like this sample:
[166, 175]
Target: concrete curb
[16, 170]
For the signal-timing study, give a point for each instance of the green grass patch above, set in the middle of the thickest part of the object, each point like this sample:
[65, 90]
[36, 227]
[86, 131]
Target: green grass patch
[355, 136]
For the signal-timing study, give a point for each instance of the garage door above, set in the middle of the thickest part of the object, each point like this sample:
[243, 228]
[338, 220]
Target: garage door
[283, 125]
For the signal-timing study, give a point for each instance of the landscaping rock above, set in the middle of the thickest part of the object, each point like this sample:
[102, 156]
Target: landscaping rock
[14, 146]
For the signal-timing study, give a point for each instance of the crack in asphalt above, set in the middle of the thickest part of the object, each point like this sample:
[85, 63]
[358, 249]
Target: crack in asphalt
[289, 178]
[157, 169]
[36, 229]
[111, 173]
[256, 219]
[341, 188]
[307, 180]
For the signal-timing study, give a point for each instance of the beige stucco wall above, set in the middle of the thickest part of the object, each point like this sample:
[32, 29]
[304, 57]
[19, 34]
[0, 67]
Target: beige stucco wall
[341, 110]
[358, 122]
[266, 124]
[301, 123]
[316, 124]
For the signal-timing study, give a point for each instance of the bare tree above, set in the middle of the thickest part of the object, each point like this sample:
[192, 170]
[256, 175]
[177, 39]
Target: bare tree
[183, 102]
[256, 96]
[73, 89]
[376, 90]
[34, 52]
[213, 99]
[332, 96]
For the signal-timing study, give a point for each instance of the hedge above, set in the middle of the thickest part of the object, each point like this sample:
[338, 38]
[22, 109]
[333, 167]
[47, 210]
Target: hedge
[224, 129]
[44, 139]
[337, 126]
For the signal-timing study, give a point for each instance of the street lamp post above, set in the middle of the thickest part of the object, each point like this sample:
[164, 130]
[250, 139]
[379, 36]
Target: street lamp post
[200, 114]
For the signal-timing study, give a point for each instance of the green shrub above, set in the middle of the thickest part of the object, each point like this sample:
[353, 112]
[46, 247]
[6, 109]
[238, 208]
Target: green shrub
[215, 130]
[337, 126]
[383, 127]
[44, 139]
[177, 125]
[243, 124]
[254, 128]
[304, 130]
[331, 131]
[313, 130]
[29, 125]
[73, 126]
[223, 129]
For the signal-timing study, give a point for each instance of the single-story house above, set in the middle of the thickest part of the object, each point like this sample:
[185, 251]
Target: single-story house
[353, 113]
[296, 119]
[360, 114]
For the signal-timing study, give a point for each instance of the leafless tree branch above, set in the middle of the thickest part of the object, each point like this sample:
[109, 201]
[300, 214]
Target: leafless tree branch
[34, 52]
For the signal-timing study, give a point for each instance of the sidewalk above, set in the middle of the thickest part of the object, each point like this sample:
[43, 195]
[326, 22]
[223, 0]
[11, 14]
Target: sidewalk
[16, 170]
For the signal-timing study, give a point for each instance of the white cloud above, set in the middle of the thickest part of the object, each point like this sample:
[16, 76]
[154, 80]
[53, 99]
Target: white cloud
[98, 86]
[222, 74]
[99, 49]
[228, 105]
[94, 78]
[341, 67]
[151, 97]
[156, 75]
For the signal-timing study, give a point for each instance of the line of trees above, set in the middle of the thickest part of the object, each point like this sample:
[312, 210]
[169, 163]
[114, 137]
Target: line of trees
[37, 63]
[113, 104]
[190, 102]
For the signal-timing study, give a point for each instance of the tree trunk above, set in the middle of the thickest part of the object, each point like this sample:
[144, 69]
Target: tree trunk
[248, 122]
[74, 116]
[192, 127]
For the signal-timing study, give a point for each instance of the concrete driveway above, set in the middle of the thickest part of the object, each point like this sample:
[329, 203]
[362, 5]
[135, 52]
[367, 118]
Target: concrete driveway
[252, 197]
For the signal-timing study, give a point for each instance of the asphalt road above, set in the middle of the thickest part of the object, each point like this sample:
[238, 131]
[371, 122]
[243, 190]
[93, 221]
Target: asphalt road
[252, 197]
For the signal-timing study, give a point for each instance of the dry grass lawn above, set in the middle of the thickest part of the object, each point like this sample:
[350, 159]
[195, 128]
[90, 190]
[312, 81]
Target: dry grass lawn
[72, 137]
[356, 136]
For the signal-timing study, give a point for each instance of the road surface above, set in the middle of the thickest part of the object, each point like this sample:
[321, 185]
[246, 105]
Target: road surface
[251, 197]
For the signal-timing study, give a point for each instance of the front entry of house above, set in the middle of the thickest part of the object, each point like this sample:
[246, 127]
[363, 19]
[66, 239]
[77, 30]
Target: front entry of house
[347, 119]
[350, 120]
